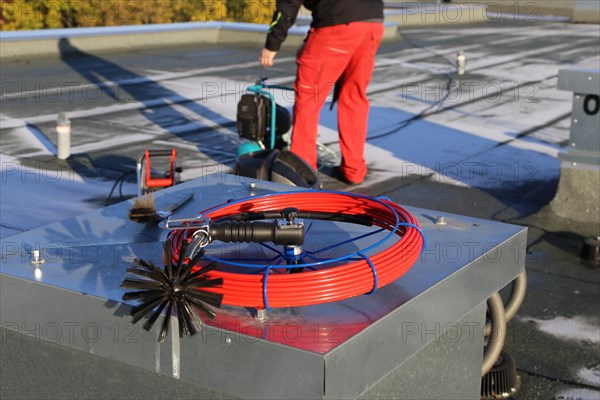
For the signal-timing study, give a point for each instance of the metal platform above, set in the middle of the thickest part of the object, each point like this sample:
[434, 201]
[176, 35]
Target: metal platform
[419, 337]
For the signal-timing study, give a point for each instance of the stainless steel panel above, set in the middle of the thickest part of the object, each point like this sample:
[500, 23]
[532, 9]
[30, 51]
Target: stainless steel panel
[580, 80]
[337, 350]
[426, 317]
[584, 143]
[252, 368]
[80, 321]
[448, 367]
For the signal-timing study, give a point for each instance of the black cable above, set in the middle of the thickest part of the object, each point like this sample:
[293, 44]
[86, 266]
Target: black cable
[450, 80]
[121, 189]
[409, 121]
[338, 217]
[119, 180]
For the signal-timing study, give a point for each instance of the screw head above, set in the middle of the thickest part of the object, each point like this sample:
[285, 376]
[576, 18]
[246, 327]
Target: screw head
[35, 258]
[261, 314]
[63, 119]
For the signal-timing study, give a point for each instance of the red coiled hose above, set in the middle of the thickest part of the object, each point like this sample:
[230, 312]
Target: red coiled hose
[325, 285]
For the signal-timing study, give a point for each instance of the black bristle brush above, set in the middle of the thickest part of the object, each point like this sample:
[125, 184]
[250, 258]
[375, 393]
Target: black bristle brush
[175, 288]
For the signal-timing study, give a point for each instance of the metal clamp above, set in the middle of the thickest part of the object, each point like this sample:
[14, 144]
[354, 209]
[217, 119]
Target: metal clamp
[200, 239]
[199, 222]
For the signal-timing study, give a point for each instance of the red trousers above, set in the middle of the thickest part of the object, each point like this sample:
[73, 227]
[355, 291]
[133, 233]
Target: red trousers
[345, 52]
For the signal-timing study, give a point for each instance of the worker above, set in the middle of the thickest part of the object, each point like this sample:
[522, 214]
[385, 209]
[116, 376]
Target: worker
[343, 39]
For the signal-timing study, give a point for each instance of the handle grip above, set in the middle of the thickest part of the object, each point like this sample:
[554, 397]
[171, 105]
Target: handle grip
[257, 232]
[160, 153]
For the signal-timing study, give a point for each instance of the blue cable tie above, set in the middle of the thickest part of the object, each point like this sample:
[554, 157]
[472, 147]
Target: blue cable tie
[265, 278]
[418, 230]
[383, 198]
[376, 283]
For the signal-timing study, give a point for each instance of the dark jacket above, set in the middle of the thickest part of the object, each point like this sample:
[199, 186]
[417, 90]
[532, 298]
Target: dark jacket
[324, 13]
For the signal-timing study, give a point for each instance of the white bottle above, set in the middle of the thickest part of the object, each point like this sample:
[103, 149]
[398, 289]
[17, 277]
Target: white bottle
[461, 61]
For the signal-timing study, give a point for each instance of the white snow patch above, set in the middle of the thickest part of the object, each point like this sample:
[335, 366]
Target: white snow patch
[528, 17]
[5, 159]
[578, 394]
[577, 328]
[591, 376]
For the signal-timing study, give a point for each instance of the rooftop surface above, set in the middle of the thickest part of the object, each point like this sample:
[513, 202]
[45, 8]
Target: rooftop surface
[484, 144]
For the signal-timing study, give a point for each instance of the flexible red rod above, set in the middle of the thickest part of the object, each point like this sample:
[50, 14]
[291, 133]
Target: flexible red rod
[335, 283]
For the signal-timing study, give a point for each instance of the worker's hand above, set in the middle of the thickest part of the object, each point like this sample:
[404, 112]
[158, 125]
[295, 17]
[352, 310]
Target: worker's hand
[266, 57]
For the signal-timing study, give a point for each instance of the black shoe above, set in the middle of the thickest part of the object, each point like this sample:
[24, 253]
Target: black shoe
[337, 173]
